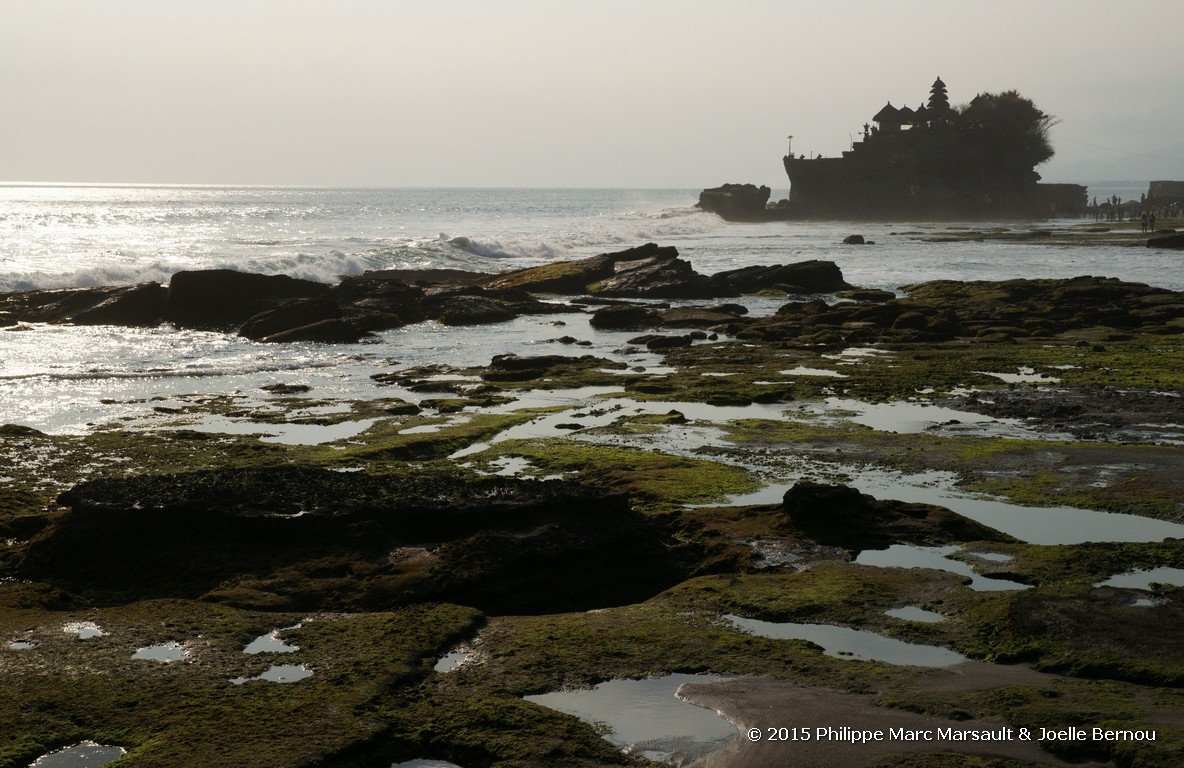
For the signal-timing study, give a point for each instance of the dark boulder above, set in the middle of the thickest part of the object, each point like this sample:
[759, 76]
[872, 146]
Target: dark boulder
[625, 317]
[474, 310]
[911, 320]
[840, 516]
[871, 295]
[813, 276]
[854, 240]
[133, 305]
[333, 330]
[668, 342]
[1168, 241]
[736, 202]
[696, 317]
[300, 314]
[512, 367]
[222, 299]
[378, 293]
[127, 305]
[657, 278]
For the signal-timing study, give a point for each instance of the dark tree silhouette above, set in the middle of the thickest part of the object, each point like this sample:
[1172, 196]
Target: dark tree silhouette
[1011, 126]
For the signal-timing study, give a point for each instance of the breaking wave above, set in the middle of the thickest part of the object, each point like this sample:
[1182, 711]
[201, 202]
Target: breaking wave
[88, 238]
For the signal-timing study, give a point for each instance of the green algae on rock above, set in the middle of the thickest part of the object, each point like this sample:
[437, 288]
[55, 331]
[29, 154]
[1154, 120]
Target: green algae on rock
[638, 586]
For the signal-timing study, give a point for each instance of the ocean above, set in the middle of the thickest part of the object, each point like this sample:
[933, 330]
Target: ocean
[64, 379]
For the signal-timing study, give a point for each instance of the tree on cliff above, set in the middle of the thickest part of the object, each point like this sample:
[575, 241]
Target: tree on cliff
[1008, 132]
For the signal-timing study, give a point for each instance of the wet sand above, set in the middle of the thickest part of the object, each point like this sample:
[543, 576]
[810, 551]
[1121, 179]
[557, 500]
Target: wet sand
[766, 703]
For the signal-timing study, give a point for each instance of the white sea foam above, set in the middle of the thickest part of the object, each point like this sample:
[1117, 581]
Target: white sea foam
[53, 237]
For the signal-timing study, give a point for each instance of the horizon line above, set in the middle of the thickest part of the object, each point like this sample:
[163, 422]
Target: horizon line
[256, 185]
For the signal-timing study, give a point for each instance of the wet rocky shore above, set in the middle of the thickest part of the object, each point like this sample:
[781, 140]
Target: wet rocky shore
[860, 460]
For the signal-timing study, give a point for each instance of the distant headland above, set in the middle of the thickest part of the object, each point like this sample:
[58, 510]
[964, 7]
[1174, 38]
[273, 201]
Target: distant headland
[936, 161]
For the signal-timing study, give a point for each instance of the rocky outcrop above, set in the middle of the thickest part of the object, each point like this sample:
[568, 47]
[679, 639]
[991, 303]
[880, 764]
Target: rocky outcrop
[617, 317]
[577, 277]
[1167, 241]
[737, 202]
[1054, 306]
[277, 308]
[130, 305]
[373, 302]
[280, 320]
[223, 299]
[941, 310]
[812, 276]
[652, 271]
[526, 368]
[334, 330]
[839, 516]
[311, 538]
[474, 310]
[655, 278]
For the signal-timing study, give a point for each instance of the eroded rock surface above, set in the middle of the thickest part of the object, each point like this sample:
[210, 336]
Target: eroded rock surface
[311, 538]
[942, 310]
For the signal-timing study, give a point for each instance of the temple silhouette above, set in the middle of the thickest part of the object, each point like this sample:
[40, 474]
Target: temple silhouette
[940, 162]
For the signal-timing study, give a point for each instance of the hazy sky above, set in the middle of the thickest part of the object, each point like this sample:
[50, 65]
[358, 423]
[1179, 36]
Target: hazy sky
[639, 93]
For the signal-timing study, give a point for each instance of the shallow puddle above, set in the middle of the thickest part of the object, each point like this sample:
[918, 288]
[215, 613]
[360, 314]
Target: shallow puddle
[451, 661]
[994, 557]
[852, 354]
[1034, 525]
[589, 412]
[285, 434]
[802, 370]
[271, 643]
[509, 466]
[1145, 578]
[856, 644]
[1024, 375]
[165, 652]
[913, 613]
[84, 629]
[908, 417]
[646, 716]
[421, 763]
[278, 673]
[88, 754]
[935, 558]
[21, 645]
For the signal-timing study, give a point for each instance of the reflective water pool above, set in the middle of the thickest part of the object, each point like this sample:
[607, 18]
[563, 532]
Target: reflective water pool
[271, 643]
[278, 673]
[914, 613]
[87, 754]
[857, 644]
[1143, 579]
[85, 630]
[165, 652]
[936, 558]
[646, 716]
[451, 661]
